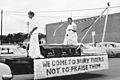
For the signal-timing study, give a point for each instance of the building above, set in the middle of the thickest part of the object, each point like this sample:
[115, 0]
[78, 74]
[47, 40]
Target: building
[112, 30]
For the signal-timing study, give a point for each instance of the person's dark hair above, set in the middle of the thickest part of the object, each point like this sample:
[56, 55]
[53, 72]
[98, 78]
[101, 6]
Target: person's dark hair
[70, 18]
[31, 13]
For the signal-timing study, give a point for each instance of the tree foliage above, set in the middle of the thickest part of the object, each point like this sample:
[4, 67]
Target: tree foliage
[18, 37]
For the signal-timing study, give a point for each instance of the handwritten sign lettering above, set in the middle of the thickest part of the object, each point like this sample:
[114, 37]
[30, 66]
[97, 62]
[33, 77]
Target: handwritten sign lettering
[51, 67]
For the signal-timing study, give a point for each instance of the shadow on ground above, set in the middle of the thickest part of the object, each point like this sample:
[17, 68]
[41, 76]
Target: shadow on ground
[82, 76]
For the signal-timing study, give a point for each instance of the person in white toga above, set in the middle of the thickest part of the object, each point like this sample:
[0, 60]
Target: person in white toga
[71, 37]
[34, 49]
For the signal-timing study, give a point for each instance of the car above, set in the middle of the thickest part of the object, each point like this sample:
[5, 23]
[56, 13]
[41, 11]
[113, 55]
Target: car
[13, 58]
[5, 72]
[12, 51]
[91, 50]
[112, 48]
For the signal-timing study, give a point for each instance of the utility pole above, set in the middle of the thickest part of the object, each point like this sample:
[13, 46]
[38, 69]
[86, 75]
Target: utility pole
[1, 24]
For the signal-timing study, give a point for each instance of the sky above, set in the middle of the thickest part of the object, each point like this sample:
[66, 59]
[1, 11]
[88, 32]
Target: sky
[15, 12]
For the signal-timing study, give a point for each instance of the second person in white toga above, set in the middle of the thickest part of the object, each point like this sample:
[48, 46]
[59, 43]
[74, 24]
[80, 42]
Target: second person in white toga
[71, 37]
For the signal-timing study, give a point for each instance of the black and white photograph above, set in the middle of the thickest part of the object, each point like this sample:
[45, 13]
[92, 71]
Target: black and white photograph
[59, 39]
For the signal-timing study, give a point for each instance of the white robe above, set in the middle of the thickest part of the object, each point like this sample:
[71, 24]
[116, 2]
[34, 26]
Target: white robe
[34, 48]
[71, 37]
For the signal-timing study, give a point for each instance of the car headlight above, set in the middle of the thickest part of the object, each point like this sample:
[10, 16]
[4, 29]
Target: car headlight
[7, 77]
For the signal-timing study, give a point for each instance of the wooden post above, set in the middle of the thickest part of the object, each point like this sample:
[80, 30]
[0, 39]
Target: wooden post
[1, 24]
[93, 38]
[106, 19]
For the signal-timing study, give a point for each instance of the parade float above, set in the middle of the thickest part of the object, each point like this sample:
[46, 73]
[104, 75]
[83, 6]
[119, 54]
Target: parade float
[59, 60]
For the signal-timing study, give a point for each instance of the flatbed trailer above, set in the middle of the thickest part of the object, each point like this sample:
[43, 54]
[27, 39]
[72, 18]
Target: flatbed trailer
[60, 60]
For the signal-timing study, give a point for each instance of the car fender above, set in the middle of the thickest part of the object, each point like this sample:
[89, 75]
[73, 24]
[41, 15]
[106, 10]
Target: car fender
[4, 70]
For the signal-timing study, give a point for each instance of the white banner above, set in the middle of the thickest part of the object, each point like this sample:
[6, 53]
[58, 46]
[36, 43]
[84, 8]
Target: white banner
[52, 67]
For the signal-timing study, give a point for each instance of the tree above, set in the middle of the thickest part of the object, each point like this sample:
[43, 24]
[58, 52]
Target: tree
[18, 37]
[9, 38]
